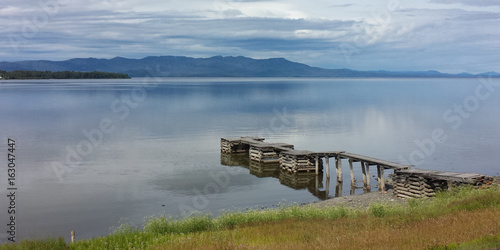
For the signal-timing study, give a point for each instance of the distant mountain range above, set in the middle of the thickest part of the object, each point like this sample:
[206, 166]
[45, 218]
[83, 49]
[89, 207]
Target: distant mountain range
[217, 66]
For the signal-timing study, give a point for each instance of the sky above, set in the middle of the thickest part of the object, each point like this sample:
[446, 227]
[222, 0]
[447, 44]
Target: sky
[450, 36]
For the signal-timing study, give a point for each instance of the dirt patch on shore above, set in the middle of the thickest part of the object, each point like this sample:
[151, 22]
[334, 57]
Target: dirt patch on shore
[362, 201]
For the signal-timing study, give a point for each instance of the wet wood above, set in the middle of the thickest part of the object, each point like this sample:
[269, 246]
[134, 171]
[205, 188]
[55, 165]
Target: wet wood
[363, 171]
[338, 166]
[368, 177]
[353, 180]
[327, 164]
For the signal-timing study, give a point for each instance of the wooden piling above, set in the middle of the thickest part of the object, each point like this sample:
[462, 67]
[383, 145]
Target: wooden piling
[317, 165]
[363, 170]
[327, 162]
[338, 165]
[368, 177]
[73, 236]
[338, 189]
[353, 181]
[381, 185]
[378, 174]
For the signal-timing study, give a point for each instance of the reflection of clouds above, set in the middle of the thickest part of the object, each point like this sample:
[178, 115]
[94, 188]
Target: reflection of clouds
[169, 144]
[184, 183]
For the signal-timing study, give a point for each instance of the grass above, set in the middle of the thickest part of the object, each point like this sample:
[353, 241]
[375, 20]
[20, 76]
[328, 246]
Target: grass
[488, 242]
[464, 218]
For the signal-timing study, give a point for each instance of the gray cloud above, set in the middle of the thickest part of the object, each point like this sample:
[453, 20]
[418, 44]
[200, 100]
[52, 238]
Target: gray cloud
[482, 3]
[408, 38]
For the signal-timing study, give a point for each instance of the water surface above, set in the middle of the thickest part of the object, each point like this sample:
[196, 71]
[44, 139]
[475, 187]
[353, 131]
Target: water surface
[92, 152]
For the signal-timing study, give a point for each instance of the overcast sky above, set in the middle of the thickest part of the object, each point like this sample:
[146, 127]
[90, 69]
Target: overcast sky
[446, 35]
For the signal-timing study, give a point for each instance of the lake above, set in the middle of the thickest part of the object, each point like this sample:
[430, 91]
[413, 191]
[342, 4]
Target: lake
[91, 154]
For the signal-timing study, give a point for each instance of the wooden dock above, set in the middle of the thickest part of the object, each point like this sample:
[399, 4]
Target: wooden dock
[408, 183]
[295, 161]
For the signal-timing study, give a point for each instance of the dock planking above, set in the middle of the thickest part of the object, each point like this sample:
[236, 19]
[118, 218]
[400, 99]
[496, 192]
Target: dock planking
[374, 161]
[445, 175]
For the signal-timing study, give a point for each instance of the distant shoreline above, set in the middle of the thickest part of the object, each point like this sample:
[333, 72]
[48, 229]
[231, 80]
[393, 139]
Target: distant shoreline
[249, 77]
[48, 75]
[218, 66]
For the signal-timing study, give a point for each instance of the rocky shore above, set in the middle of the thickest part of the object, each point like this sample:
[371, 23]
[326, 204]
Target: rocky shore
[362, 201]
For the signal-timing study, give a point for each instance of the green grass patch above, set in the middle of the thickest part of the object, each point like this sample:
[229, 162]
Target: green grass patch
[488, 242]
[41, 244]
[170, 232]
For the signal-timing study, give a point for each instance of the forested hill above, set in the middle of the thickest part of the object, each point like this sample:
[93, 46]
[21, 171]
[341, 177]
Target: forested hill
[217, 66]
[24, 74]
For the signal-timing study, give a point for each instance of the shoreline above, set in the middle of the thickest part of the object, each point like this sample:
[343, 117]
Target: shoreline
[361, 201]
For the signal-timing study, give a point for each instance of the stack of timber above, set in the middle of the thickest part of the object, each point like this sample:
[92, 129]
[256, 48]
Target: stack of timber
[240, 145]
[267, 153]
[421, 183]
[414, 186]
[299, 161]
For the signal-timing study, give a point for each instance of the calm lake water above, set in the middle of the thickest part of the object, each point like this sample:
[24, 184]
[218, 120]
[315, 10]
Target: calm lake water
[92, 154]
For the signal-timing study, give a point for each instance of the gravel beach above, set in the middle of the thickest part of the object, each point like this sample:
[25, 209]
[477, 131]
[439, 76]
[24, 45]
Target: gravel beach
[362, 201]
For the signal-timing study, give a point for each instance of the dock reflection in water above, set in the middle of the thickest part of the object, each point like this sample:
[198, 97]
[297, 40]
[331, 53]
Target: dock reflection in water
[317, 185]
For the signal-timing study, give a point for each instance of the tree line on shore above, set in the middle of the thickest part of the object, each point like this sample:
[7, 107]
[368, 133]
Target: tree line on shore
[29, 74]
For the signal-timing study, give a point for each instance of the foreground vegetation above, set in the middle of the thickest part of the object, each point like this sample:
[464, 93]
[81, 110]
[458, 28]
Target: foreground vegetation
[465, 218]
[24, 74]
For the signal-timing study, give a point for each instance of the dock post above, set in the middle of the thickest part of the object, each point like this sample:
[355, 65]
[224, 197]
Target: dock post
[317, 165]
[363, 170]
[353, 181]
[368, 185]
[338, 189]
[338, 165]
[327, 188]
[327, 163]
[73, 236]
[382, 180]
[378, 175]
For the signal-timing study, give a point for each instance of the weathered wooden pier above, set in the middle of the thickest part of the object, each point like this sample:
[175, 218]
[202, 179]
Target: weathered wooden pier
[305, 161]
[408, 183]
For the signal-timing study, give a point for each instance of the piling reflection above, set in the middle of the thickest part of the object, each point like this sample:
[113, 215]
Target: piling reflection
[264, 170]
[234, 159]
[317, 185]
